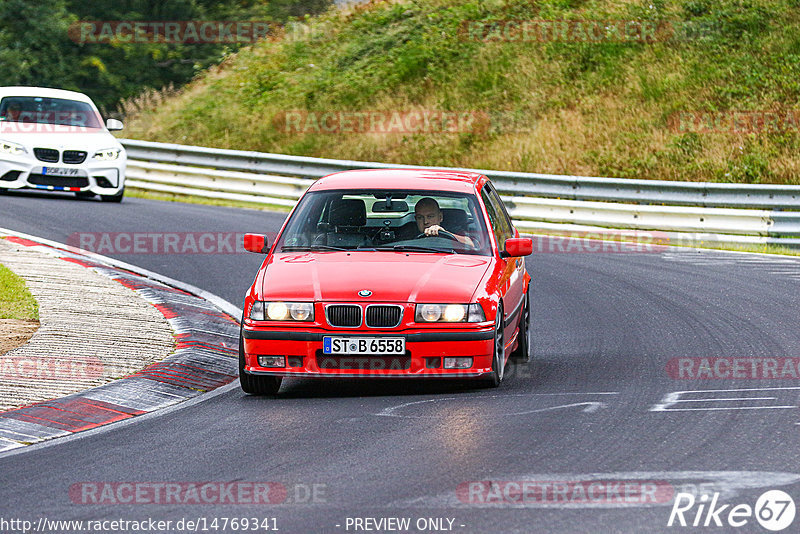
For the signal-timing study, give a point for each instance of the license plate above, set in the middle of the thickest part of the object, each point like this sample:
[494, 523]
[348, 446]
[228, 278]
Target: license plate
[363, 345]
[60, 171]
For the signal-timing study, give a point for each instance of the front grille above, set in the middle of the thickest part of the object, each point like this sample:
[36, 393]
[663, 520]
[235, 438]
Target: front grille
[74, 156]
[61, 181]
[343, 315]
[383, 316]
[365, 363]
[46, 154]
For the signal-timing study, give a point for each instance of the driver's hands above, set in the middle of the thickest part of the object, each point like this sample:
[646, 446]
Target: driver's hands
[433, 229]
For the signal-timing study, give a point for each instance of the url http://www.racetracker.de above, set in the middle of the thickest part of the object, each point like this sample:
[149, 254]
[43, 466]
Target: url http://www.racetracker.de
[195, 524]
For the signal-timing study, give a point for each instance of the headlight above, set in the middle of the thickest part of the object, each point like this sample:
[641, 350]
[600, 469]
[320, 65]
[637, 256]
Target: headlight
[282, 311]
[107, 154]
[449, 313]
[7, 147]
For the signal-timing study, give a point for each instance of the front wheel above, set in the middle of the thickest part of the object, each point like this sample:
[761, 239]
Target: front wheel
[113, 198]
[253, 384]
[499, 354]
[523, 351]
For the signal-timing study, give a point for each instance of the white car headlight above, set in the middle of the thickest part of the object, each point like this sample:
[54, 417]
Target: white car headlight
[7, 147]
[107, 154]
[449, 313]
[282, 311]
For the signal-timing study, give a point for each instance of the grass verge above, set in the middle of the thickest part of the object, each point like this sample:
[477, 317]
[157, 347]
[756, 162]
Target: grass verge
[712, 96]
[16, 302]
[191, 199]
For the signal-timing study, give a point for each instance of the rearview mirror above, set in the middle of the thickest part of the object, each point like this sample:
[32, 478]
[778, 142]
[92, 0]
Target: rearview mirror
[387, 206]
[517, 246]
[256, 243]
[114, 124]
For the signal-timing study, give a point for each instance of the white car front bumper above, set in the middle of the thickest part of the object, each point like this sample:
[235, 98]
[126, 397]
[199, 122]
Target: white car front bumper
[97, 177]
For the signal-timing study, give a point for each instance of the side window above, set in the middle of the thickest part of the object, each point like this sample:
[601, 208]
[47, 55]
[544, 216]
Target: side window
[502, 223]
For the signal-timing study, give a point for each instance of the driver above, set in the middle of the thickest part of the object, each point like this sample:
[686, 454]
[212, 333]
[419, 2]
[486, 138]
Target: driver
[13, 112]
[429, 217]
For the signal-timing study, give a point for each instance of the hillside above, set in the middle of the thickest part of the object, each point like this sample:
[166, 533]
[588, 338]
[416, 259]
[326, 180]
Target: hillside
[695, 90]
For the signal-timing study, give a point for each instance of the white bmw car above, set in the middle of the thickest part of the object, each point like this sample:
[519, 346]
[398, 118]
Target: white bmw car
[55, 140]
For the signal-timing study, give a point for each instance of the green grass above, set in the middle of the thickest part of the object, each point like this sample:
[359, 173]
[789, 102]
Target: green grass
[192, 199]
[584, 108]
[16, 302]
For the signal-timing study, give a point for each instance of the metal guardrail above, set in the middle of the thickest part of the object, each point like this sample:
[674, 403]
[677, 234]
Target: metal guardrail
[686, 211]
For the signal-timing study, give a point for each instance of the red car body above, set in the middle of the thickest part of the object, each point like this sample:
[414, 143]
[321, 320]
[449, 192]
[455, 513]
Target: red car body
[397, 279]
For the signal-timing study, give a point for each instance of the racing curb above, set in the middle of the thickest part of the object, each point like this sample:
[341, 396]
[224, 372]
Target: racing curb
[206, 355]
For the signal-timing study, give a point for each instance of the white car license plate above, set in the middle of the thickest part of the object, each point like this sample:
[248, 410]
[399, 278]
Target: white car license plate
[363, 345]
[60, 171]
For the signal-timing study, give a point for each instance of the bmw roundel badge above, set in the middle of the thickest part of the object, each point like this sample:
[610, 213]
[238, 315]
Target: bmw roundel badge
[365, 293]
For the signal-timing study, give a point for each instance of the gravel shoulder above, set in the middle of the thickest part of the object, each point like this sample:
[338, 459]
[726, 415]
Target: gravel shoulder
[79, 343]
[15, 333]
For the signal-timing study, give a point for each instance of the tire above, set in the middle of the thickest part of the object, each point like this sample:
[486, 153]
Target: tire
[84, 194]
[254, 384]
[113, 198]
[498, 357]
[522, 353]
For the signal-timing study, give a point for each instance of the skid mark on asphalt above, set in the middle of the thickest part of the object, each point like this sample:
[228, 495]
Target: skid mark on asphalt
[784, 267]
[588, 406]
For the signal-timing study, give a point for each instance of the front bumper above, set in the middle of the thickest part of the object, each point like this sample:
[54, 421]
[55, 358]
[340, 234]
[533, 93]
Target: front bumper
[99, 178]
[424, 357]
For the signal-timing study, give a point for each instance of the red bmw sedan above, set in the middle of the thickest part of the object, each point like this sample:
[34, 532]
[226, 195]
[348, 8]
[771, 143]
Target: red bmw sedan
[388, 273]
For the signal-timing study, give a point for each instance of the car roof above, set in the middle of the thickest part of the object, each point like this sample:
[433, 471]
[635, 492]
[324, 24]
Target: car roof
[45, 92]
[408, 179]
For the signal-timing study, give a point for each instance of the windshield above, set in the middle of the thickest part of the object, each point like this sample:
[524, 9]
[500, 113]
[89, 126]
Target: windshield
[43, 110]
[408, 221]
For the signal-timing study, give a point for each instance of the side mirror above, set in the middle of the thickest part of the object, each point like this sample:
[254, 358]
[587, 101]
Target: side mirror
[517, 246]
[114, 124]
[256, 243]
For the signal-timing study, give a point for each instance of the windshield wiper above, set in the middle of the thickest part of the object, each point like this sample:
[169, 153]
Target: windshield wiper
[417, 248]
[306, 248]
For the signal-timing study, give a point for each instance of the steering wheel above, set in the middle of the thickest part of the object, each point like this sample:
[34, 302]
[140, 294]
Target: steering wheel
[442, 233]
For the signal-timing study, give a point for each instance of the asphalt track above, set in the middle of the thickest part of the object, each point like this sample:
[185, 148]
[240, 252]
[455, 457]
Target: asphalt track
[596, 404]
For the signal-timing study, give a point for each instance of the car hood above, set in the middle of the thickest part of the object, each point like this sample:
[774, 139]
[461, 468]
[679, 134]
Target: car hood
[391, 276]
[88, 139]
